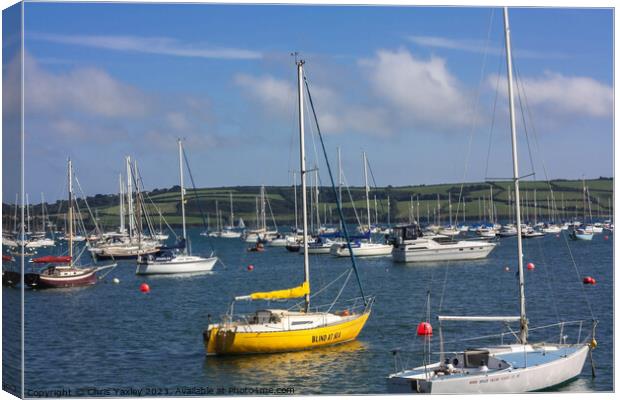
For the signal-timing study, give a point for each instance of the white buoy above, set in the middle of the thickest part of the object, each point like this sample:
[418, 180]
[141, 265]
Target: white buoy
[116, 280]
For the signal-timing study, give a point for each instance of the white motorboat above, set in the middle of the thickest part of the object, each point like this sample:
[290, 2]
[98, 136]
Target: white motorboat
[361, 249]
[411, 245]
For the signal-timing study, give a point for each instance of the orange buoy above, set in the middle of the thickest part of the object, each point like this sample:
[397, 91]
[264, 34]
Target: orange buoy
[425, 329]
[145, 288]
[530, 266]
[250, 267]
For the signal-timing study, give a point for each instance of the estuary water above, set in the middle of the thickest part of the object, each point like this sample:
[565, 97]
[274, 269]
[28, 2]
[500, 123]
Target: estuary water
[112, 340]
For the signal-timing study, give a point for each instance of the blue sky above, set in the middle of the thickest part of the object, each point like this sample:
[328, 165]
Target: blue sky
[402, 83]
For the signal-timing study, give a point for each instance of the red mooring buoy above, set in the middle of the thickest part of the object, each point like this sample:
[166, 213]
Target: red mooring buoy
[425, 329]
[250, 267]
[588, 280]
[606, 237]
[530, 266]
[145, 288]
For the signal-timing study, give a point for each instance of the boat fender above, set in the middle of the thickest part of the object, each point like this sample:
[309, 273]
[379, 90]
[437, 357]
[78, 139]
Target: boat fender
[593, 343]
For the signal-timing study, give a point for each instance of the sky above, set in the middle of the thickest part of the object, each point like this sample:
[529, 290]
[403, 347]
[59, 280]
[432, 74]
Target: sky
[422, 90]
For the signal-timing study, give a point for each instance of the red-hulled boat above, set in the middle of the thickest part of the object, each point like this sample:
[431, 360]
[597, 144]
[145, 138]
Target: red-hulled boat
[67, 274]
[59, 276]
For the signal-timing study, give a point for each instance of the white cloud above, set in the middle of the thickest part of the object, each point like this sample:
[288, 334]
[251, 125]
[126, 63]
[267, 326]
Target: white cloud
[275, 94]
[89, 90]
[422, 92]
[336, 114]
[477, 46]
[151, 45]
[565, 95]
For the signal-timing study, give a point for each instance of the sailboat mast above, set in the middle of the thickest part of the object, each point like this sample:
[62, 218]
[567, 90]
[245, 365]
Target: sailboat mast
[515, 171]
[316, 199]
[367, 189]
[295, 196]
[450, 208]
[340, 180]
[232, 215]
[70, 217]
[130, 215]
[121, 203]
[263, 212]
[302, 162]
[182, 188]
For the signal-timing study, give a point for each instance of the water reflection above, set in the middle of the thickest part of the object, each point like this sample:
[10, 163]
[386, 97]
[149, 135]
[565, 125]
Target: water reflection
[309, 371]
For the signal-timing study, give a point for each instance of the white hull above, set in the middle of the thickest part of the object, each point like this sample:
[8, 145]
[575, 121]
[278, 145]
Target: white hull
[230, 235]
[552, 229]
[178, 265]
[361, 250]
[518, 379]
[320, 249]
[424, 250]
[280, 242]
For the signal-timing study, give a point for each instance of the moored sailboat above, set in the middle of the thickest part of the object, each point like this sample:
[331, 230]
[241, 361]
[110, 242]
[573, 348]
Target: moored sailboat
[64, 271]
[280, 330]
[504, 368]
[368, 247]
[175, 260]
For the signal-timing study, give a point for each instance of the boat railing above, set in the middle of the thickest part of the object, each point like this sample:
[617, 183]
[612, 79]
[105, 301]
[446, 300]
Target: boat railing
[575, 326]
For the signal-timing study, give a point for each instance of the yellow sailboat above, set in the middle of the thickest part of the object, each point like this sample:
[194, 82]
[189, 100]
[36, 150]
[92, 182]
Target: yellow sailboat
[283, 330]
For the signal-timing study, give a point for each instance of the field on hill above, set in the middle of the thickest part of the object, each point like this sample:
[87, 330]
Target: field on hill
[542, 201]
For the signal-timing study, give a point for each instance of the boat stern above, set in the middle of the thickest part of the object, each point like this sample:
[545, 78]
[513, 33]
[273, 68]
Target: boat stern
[208, 336]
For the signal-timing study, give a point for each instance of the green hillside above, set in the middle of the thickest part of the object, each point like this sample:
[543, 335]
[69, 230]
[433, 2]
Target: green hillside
[405, 202]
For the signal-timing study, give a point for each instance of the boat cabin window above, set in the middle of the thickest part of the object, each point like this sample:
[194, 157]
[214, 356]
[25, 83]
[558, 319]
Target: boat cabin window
[476, 358]
[409, 232]
[265, 317]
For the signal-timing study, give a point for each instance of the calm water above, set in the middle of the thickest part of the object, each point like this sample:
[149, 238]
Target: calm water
[111, 335]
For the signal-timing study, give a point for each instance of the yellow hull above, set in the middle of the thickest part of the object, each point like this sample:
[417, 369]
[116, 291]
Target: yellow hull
[222, 342]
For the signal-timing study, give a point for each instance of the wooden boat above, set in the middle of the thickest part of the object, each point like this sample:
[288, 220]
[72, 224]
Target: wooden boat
[67, 274]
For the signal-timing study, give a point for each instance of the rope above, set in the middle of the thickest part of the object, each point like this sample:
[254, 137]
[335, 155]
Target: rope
[161, 215]
[271, 211]
[341, 289]
[204, 220]
[321, 290]
[87, 206]
[331, 177]
[574, 263]
[475, 112]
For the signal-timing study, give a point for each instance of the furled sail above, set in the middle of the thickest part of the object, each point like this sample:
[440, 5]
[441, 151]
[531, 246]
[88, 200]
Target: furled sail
[291, 293]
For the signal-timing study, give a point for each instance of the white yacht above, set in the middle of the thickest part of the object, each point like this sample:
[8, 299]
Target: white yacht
[411, 245]
[170, 261]
[502, 368]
